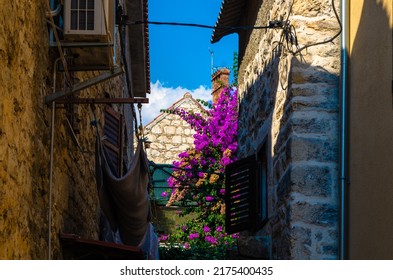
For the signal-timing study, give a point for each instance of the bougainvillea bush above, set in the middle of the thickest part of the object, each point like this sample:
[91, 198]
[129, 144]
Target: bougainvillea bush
[198, 177]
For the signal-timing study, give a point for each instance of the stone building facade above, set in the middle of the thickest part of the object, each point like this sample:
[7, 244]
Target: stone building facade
[288, 103]
[169, 134]
[26, 79]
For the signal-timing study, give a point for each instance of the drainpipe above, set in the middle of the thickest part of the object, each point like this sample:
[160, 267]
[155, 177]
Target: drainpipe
[344, 181]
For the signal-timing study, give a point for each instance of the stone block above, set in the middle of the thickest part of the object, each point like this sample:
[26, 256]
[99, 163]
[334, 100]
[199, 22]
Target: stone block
[321, 214]
[301, 243]
[316, 123]
[170, 130]
[312, 180]
[327, 249]
[320, 103]
[163, 138]
[255, 247]
[310, 8]
[311, 148]
[177, 139]
[176, 122]
[156, 129]
[179, 131]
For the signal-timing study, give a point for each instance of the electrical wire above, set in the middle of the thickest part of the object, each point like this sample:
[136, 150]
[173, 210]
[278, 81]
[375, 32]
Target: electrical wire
[289, 31]
[272, 24]
[291, 34]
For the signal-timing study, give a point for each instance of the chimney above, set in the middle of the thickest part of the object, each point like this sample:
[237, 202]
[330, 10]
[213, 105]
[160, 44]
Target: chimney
[220, 79]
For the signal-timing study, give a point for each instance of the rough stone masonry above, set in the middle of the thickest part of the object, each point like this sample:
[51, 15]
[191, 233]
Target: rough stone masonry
[291, 103]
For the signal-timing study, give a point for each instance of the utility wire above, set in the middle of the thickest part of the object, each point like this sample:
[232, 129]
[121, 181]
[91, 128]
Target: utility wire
[325, 41]
[272, 24]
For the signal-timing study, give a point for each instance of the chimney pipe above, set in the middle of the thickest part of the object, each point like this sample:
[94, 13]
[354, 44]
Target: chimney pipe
[220, 79]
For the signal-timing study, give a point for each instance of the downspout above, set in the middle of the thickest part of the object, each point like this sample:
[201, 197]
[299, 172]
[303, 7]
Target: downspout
[344, 181]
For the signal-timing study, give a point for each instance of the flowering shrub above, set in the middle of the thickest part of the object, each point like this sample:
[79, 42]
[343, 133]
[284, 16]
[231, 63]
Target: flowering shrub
[198, 174]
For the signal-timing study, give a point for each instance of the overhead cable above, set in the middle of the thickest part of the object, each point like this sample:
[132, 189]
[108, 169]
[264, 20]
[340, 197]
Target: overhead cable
[272, 24]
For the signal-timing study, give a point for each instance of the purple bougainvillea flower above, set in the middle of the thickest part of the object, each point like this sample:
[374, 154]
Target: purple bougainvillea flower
[235, 235]
[183, 154]
[186, 245]
[164, 194]
[211, 239]
[193, 236]
[163, 237]
[184, 228]
[215, 146]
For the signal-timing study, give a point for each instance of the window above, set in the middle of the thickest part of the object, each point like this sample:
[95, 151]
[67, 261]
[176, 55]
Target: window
[246, 192]
[87, 17]
[159, 179]
[82, 14]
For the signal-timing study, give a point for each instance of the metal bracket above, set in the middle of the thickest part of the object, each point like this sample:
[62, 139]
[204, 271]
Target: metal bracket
[83, 85]
[138, 100]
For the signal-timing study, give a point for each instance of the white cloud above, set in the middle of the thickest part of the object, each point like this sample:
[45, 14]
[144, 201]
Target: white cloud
[162, 97]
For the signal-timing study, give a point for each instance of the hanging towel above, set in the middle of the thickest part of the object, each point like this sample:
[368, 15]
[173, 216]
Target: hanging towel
[124, 200]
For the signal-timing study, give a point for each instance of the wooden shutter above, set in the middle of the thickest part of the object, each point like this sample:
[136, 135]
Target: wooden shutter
[113, 138]
[240, 195]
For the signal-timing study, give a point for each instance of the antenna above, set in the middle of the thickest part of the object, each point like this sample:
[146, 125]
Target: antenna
[211, 61]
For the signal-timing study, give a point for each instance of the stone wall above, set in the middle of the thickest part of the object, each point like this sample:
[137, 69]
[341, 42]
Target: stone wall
[26, 63]
[169, 134]
[290, 101]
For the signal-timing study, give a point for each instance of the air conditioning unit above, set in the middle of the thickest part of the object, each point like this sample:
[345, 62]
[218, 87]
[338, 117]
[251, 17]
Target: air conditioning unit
[88, 17]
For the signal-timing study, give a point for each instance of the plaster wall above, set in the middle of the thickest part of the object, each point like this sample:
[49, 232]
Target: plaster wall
[371, 130]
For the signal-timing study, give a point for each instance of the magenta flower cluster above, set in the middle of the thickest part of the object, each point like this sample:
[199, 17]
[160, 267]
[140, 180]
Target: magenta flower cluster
[193, 236]
[215, 137]
[199, 172]
[216, 133]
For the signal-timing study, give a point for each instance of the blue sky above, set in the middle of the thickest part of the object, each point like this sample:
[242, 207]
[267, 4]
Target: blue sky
[180, 59]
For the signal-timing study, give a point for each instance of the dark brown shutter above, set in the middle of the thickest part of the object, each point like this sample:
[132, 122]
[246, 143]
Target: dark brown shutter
[240, 194]
[113, 138]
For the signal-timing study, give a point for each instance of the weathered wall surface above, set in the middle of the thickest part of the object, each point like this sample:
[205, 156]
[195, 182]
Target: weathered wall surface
[169, 134]
[291, 102]
[370, 130]
[25, 79]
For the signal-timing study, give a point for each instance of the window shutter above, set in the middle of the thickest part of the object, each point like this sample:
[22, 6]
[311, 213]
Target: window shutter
[240, 194]
[113, 138]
